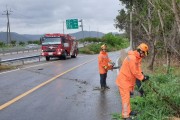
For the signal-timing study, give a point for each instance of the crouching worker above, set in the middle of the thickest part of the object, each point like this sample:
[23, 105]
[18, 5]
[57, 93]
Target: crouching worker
[126, 79]
[104, 64]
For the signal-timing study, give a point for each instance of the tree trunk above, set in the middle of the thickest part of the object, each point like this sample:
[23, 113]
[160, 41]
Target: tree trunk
[152, 59]
[168, 61]
[165, 42]
[176, 14]
[130, 25]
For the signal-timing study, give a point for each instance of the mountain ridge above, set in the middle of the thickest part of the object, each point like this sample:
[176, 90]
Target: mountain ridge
[31, 37]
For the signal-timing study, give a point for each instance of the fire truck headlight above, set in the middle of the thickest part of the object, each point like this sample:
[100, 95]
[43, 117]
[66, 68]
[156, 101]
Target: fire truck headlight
[59, 50]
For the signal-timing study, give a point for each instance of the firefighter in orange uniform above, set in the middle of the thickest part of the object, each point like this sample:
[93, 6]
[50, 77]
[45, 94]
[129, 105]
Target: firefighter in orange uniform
[104, 64]
[126, 79]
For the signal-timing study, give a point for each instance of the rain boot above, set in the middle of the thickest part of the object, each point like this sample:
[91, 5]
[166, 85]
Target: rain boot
[102, 89]
[127, 118]
[133, 113]
[107, 87]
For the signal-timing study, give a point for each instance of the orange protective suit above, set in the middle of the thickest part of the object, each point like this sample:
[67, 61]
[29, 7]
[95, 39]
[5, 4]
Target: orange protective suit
[130, 70]
[103, 60]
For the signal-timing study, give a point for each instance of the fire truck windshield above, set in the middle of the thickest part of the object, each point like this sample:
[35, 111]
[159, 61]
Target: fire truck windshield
[51, 40]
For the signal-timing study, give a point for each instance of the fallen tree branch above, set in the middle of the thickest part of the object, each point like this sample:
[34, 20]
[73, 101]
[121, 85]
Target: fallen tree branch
[167, 100]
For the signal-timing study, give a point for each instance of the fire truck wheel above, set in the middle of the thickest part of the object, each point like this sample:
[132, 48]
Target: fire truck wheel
[74, 56]
[65, 55]
[47, 58]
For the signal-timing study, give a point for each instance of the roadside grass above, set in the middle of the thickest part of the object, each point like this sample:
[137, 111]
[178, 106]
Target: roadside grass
[90, 49]
[116, 116]
[162, 94]
[6, 67]
[95, 48]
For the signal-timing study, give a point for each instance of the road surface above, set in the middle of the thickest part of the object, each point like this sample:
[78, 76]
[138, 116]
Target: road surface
[58, 90]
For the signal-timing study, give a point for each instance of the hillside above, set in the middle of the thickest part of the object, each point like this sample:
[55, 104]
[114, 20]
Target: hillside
[14, 36]
[27, 37]
[79, 35]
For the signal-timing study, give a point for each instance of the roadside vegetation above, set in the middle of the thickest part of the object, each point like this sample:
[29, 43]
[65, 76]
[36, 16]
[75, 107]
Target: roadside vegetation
[162, 94]
[6, 67]
[14, 45]
[93, 45]
[162, 98]
[156, 23]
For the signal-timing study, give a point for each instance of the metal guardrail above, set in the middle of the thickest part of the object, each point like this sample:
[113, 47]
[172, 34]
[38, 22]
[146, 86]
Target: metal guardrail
[20, 59]
[17, 50]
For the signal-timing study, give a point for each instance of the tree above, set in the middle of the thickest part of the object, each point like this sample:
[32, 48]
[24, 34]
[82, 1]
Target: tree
[13, 42]
[154, 21]
[21, 43]
[36, 42]
[2, 44]
[30, 42]
[176, 11]
[121, 20]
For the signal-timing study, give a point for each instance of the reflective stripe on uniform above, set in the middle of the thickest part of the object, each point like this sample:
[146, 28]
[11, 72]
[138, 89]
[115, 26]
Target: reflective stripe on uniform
[125, 110]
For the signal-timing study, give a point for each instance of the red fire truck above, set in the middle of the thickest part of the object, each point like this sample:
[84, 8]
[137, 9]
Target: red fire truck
[58, 45]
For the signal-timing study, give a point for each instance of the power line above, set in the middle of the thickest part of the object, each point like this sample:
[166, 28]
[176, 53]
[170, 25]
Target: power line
[7, 13]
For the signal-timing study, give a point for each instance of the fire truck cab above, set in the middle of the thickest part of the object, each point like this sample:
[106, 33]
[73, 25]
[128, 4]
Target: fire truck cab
[58, 45]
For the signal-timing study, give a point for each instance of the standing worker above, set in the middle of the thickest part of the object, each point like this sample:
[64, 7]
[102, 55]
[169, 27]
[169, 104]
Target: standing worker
[126, 79]
[104, 64]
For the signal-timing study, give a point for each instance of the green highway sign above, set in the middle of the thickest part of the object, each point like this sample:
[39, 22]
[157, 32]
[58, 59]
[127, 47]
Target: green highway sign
[72, 24]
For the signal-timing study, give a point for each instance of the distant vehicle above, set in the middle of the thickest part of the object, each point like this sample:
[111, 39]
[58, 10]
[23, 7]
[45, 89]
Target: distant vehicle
[32, 46]
[58, 45]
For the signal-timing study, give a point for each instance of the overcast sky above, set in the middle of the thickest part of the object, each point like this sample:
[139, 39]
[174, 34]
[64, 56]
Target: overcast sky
[47, 16]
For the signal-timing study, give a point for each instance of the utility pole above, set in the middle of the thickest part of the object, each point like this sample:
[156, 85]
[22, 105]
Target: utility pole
[97, 32]
[82, 27]
[131, 41]
[7, 13]
[82, 30]
[63, 26]
[89, 31]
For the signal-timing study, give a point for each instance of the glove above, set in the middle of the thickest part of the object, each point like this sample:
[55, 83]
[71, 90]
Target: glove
[146, 77]
[105, 67]
[111, 63]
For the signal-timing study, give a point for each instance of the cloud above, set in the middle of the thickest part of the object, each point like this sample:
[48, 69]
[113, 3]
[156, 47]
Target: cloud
[45, 16]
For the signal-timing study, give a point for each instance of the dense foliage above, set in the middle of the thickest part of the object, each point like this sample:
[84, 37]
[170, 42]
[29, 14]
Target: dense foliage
[93, 45]
[157, 23]
[154, 22]
[162, 97]
[20, 43]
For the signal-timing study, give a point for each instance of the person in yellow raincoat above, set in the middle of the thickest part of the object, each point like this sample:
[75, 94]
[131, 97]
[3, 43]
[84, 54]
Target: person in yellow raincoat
[126, 79]
[104, 64]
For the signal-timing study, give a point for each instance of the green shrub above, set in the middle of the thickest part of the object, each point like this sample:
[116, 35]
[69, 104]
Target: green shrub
[162, 98]
[113, 42]
[2, 44]
[90, 49]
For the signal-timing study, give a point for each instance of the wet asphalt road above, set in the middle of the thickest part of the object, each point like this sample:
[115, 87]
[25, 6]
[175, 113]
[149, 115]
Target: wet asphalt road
[68, 94]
